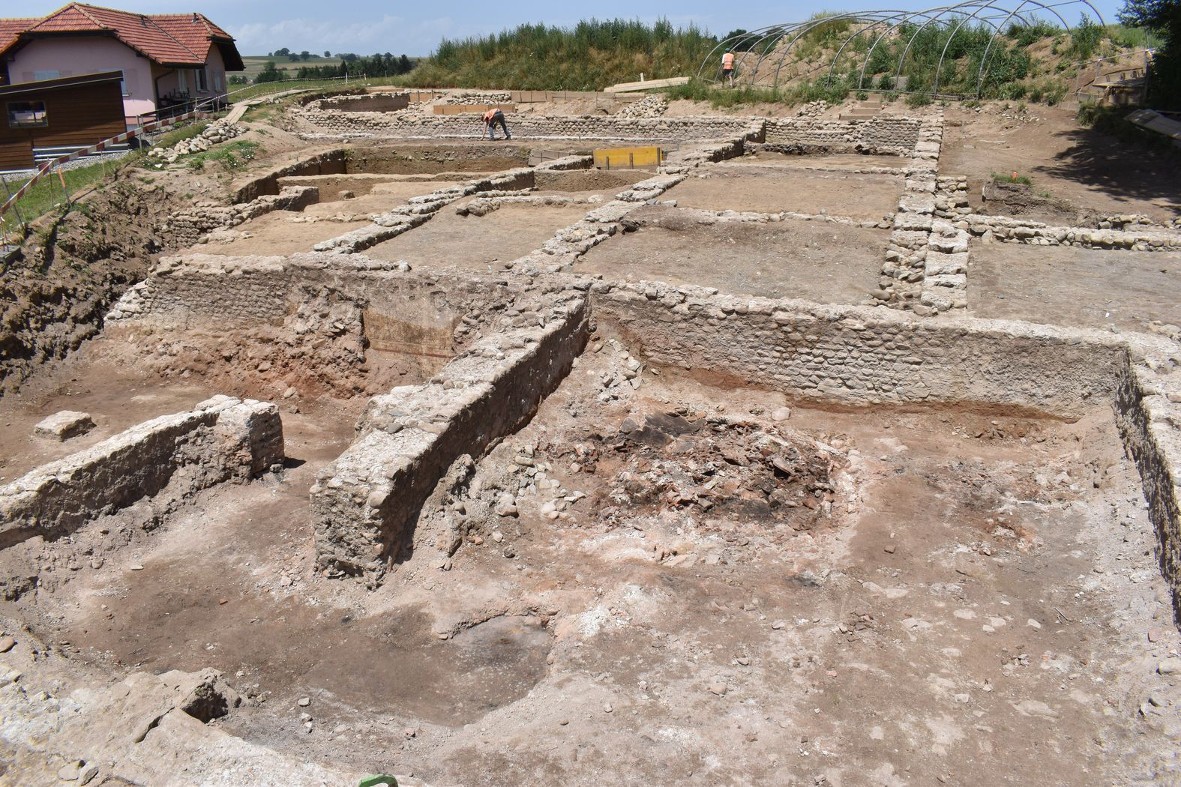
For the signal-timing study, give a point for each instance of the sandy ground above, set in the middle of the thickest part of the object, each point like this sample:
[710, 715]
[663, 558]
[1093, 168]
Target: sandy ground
[954, 598]
[1086, 288]
[482, 243]
[1082, 169]
[819, 261]
[981, 583]
[747, 187]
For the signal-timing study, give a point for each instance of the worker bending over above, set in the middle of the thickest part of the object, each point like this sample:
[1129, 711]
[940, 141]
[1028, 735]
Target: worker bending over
[493, 117]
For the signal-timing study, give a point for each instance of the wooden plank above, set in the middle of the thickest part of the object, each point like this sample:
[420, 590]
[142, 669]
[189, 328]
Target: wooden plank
[651, 84]
[628, 158]
[15, 155]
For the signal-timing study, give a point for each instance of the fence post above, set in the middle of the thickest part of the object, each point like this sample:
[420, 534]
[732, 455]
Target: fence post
[61, 175]
[15, 209]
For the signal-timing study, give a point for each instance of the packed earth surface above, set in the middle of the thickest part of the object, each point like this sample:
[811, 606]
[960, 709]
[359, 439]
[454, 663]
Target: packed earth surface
[822, 451]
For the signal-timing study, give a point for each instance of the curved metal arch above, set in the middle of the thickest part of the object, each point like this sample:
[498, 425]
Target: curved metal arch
[1043, 6]
[906, 17]
[767, 45]
[938, 17]
[766, 41]
[987, 6]
[870, 26]
[804, 29]
[991, 41]
[728, 43]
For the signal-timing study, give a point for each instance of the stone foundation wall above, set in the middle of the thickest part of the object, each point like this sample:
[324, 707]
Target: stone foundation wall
[366, 503]
[223, 439]
[881, 134]
[470, 126]
[862, 357]
[231, 292]
[1134, 238]
[1148, 413]
[188, 227]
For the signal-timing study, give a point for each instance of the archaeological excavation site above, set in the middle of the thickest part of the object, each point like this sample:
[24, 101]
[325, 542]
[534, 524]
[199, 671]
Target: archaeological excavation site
[802, 452]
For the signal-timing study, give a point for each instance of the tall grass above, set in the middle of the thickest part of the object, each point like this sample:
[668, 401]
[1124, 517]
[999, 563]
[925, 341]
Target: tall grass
[590, 56]
[47, 195]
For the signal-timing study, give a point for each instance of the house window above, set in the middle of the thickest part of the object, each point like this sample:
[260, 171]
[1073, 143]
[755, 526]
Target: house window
[27, 114]
[41, 76]
[201, 80]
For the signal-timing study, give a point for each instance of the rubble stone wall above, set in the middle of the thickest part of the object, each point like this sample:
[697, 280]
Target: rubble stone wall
[189, 226]
[883, 134]
[222, 439]
[470, 126]
[1148, 413]
[862, 356]
[365, 504]
[330, 162]
[205, 289]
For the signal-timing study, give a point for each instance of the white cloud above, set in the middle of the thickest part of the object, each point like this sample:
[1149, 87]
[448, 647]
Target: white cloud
[388, 34]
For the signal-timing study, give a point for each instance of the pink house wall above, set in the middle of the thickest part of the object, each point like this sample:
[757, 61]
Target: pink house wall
[73, 56]
[142, 79]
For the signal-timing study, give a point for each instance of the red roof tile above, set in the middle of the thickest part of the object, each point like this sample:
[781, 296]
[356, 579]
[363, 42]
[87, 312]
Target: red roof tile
[168, 39]
[11, 28]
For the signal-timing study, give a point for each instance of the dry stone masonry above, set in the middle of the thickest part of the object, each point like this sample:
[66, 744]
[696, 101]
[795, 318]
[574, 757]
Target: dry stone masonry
[222, 439]
[364, 504]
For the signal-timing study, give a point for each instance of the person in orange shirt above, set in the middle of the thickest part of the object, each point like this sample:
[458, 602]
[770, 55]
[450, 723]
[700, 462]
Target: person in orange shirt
[493, 117]
[728, 68]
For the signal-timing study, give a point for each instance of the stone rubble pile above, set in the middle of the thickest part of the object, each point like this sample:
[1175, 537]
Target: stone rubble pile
[1005, 229]
[651, 106]
[951, 197]
[482, 206]
[215, 133]
[560, 252]
[711, 465]
[812, 109]
[476, 97]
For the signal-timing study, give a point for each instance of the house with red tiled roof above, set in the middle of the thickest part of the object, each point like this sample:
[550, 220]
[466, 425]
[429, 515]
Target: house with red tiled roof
[168, 61]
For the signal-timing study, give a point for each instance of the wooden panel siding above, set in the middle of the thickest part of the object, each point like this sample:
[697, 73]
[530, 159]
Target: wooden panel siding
[15, 155]
[76, 115]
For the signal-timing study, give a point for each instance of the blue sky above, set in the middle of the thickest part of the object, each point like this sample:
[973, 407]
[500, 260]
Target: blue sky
[368, 26]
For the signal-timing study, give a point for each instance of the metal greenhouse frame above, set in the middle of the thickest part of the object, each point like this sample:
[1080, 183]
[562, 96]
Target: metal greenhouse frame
[771, 53]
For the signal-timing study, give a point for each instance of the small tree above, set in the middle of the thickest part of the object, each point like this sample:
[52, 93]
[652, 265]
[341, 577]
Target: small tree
[270, 73]
[327, 53]
[1164, 17]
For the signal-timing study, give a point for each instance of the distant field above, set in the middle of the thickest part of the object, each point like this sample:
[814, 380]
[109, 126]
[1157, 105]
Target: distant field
[255, 63]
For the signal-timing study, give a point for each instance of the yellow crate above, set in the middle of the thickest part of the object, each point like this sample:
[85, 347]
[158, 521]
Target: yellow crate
[628, 158]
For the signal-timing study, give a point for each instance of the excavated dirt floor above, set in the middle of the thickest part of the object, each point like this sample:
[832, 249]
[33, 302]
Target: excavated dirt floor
[771, 189]
[788, 259]
[699, 582]
[1087, 288]
[962, 599]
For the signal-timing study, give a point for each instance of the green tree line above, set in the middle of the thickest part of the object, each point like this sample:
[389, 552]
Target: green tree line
[590, 56]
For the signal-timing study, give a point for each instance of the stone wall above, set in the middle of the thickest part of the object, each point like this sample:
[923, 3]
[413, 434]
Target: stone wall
[415, 124]
[222, 439]
[881, 134]
[862, 356]
[1016, 230]
[366, 503]
[190, 226]
[1148, 412]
